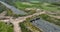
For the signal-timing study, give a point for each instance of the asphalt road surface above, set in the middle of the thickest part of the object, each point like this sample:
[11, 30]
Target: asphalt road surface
[46, 26]
[15, 10]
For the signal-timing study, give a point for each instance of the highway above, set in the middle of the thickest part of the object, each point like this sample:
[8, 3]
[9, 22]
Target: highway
[46, 26]
[12, 8]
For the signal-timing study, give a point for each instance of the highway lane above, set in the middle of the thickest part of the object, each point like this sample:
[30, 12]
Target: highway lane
[46, 26]
[15, 10]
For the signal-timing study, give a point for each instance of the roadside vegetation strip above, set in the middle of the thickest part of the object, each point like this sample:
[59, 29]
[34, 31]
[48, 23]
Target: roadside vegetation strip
[27, 25]
[32, 27]
[6, 27]
[50, 19]
[2, 8]
[24, 28]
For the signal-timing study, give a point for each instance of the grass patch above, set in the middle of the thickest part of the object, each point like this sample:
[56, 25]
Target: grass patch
[43, 6]
[22, 6]
[28, 27]
[5, 28]
[50, 7]
[24, 28]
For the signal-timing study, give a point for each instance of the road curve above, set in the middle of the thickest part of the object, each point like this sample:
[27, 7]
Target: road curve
[15, 10]
[46, 26]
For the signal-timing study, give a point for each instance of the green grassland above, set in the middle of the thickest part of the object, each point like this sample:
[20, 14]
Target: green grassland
[44, 6]
[50, 7]
[27, 27]
[6, 28]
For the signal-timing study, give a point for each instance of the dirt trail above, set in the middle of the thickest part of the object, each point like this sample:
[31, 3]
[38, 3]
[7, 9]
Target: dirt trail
[17, 27]
[21, 19]
[16, 21]
[58, 17]
[2, 14]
